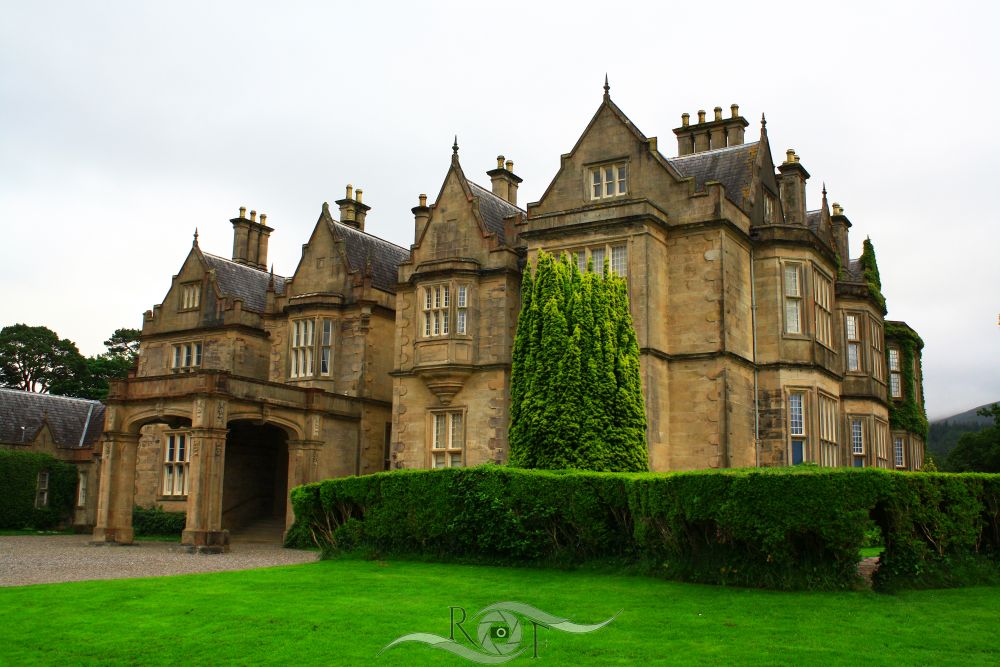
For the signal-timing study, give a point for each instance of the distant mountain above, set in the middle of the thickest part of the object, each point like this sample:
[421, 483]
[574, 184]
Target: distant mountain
[944, 433]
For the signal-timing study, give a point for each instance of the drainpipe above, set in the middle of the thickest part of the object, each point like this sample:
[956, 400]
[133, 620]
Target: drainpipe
[753, 335]
[86, 425]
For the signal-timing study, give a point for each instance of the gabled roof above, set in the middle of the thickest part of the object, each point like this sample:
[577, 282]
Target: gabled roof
[239, 281]
[854, 272]
[73, 422]
[493, 210]
[732, 166]
[364, 250]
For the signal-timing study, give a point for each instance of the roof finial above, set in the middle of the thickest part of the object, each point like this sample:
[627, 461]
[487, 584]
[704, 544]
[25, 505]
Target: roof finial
[454, 146]
[270, 282]
[824, 189]
[195, 244]
[763, 122]
[607, 88]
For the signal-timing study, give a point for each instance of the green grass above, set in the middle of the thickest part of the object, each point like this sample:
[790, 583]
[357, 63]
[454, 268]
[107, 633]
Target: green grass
[871, 552]
[344, 611]
[32, 531]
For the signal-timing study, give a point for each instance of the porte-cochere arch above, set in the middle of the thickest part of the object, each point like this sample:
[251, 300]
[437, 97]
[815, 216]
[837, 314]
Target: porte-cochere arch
[246, 444]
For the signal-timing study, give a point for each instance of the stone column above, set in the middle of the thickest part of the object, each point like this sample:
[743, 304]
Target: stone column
[117, 489]
[303, 467]
[203, 531]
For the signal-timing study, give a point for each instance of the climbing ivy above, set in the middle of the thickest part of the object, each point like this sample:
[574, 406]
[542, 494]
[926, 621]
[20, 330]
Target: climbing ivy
[907, 414]
[870, 267]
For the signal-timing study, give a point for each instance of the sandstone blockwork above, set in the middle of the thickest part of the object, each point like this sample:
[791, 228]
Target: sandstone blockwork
[762, 343]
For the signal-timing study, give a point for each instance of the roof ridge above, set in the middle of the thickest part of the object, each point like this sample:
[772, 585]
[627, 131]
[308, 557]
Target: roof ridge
[368, 234]
[245, 266]
[11, 390]
[715, 150]
[495, 196]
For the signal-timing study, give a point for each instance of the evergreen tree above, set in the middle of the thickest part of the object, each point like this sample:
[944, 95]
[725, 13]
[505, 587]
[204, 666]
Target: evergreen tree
[576, 392]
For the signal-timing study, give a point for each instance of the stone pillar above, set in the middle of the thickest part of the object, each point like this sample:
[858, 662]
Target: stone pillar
[203, 531]
[117, 489]
[303, 467]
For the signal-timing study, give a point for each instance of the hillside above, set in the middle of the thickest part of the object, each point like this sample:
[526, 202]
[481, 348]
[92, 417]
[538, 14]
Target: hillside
[944, 433]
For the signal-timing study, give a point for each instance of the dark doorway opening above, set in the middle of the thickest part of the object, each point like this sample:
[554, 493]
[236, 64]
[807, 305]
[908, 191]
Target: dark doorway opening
[255, 486]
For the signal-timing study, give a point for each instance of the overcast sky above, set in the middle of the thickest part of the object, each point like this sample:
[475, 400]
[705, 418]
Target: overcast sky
[124, 125]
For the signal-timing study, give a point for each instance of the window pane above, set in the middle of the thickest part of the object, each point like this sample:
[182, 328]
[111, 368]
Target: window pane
[327, 331]
[581, 260]
[796, 414]
[197, 354]
[857, 441]
[792, 281]
[852, 357]
[427, 298]
[893, 359]
[444, 323]
[427, 324]
[445, 290]
[852, 327]
[456, 460]
[597, 257]
[619, 257]
[440, 424]
[461, 321]
[168, 480]
[456, 430]
[325, 361]
[462, 296]
[438, 460]
[793, 322]
[437, 297]
[621, 180]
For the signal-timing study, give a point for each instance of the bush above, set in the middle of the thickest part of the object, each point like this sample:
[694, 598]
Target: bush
[19, 486]
[154, 520]
[774, 528]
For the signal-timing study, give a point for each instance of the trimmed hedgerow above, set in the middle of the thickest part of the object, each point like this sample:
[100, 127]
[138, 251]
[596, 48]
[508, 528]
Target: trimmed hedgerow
[19, 487]
[154, 520]
[784, 529]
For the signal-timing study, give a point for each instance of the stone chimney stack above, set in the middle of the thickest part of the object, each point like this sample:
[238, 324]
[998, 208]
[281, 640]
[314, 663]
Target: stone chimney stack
[504, 180]
[421, 214]
[352, 211]
[840, 226]
[792, 184]
[709, 135]
[250, 239]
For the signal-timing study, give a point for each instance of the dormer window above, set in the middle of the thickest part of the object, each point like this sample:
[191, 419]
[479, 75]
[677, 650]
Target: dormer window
[190, 296]
[608, 180]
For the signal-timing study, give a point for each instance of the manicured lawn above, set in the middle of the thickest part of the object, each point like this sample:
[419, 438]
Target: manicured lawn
[345, 611]
[871, 552]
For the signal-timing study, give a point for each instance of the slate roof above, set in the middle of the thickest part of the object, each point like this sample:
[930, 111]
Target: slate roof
[240, 281]
[732, 166]
[854, 272]
[493, 210]
[362, 248]
[67, 418]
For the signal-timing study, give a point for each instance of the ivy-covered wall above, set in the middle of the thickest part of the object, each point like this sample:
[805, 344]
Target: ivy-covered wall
[909, 413]
[19, 487]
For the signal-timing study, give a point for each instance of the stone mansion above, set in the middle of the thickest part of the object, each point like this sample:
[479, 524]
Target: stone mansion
[762, 342]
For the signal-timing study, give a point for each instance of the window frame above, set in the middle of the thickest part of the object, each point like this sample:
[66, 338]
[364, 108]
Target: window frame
[899, 451]
[880, 448]
[82, 483]
[190, 296]
[828, 437]
[186, 356]
[597, 178]
[42, 481]
[445, 310]
[893, 353]
[302, 348]
[800, 436]
[175, 458]
[788, 299]
[876, 333]
[822, 308]
[584, 257]
[853, 342]
[450, 449]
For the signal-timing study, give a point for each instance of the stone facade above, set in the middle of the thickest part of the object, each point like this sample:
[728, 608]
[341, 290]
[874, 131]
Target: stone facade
[761, 341]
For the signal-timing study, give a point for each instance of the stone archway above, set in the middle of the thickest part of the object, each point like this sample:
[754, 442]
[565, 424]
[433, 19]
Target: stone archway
[255, 481]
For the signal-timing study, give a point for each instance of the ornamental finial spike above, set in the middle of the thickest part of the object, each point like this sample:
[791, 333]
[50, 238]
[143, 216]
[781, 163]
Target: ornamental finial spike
[607, 88]
[763, 121]
[195, 244]
[454, 146]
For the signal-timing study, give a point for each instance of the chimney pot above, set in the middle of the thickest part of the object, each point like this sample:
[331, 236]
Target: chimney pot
[685, 119]
[357, 195]
[790, 156]
[423, 200]
[350, 192]
[499, 161]
[718, 113]
[838, 209]
[263, 218]
[510, 165]
[253, 216]
[735, 110]
[701, 115]
[243, 211]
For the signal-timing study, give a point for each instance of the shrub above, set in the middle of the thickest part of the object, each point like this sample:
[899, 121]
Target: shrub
[19, 485]
[154, 520]
[775, 528]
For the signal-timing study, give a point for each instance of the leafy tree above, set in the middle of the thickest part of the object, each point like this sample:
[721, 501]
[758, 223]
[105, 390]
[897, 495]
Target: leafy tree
[576, 395]
[123, 345]
[979, 451]
[35, 358]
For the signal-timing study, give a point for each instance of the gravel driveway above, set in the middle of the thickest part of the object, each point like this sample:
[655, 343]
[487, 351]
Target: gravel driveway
[46, 559]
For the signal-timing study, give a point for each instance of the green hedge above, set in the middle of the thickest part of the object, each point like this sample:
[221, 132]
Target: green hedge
[785, 529]
[155, 521]
[19, 485]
